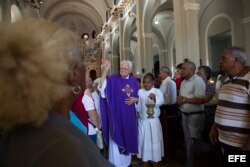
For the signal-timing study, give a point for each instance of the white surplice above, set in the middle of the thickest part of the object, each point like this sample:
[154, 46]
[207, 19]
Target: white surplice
[150, 130]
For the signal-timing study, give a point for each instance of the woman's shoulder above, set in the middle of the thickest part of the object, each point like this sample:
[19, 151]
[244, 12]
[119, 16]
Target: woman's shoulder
[88, 93]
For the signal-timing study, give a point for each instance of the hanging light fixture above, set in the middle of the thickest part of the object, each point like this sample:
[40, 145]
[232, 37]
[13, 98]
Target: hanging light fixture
[40, 1]
[156, 21]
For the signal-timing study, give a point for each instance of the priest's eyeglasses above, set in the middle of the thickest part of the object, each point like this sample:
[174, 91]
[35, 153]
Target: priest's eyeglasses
[125, 69]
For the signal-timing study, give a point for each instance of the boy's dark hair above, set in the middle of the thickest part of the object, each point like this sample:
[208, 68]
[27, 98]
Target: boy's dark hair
[149, 75]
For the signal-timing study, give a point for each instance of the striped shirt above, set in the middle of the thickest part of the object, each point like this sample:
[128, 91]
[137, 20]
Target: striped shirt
[232, 115]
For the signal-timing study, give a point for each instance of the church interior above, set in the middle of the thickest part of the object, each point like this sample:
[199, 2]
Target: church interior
[149, 33]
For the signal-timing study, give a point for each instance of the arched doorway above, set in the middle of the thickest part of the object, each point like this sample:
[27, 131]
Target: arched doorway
[156, 66]
[15, 13]
[116, 53]
[1, 15]
[93, 74]
[219, 37]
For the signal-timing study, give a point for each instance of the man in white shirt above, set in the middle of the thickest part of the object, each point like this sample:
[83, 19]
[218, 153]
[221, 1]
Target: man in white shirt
[168, 86]
[170, 107]
[191, 99]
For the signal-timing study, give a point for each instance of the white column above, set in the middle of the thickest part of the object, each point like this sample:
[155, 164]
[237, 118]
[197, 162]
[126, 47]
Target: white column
[180, 31]
[127, 53]
[6, 11]
[121, 31]
[186, 20]
[192, 31]
[246, 23]
[139, 60]
[115, 64]
[148, 56]
[111, 54]
[162, 57]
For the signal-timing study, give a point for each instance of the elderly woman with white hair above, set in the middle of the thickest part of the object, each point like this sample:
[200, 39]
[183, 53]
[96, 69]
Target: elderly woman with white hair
[41, 73]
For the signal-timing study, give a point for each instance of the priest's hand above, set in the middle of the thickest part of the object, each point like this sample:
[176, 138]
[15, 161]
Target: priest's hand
[131, 100]
[105, 66]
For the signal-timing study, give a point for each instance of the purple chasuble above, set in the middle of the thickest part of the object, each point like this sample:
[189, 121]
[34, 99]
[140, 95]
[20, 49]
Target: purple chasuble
[119, 119]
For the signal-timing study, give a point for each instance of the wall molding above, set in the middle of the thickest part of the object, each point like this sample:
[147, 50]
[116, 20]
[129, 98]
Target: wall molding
[163, 51]
[245, 20]
[147, 35]
[126, 49]
[191, 6]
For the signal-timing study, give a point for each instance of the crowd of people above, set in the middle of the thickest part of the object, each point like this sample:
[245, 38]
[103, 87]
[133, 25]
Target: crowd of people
[49, 120]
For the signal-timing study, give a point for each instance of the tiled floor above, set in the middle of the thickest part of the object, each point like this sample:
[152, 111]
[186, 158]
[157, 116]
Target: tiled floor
[207, 156]
[175, 160]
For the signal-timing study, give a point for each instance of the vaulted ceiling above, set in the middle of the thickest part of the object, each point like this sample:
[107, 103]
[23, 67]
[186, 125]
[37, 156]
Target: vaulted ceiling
[85, 16]
[78, 15]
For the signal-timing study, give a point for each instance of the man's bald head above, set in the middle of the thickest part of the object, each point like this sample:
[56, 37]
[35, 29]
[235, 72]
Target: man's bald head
[191, 66]
[188, 69]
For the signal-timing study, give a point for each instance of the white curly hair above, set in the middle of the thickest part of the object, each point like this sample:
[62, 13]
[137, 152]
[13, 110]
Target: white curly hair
[36, 57]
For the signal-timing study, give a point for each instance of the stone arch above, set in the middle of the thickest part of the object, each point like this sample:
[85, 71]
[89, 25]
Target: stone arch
[147, 15]
[173, 56]
[156, 58]
[209, 25]
[107, 51]
[161, 45]
[128, 30]
[93, 74]
[170, 47]
[15, 13]
[150, 11]
[85, 19]
[156, 49]
[115, 53]
[49, 13]
[91, 71]
[1, 14]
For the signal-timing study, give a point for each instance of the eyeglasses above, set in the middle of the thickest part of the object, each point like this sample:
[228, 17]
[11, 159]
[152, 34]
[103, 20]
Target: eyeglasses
[125, 69]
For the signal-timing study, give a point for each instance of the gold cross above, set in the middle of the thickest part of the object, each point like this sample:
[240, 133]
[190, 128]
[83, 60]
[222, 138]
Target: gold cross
[128, 90]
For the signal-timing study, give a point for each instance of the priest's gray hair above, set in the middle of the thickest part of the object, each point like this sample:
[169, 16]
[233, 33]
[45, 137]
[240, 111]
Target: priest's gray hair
[128, 62]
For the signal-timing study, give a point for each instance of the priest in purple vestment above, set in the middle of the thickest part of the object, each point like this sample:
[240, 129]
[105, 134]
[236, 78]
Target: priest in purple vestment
[119, 93]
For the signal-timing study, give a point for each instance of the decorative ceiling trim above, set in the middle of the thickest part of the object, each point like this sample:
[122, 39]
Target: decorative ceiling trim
[107, 3]
[49, 13]
[126, 49]
[191, 6]
[57, 17]
[164, 51]
[147, 35]
[245, 20]
[116, 12]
